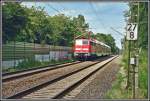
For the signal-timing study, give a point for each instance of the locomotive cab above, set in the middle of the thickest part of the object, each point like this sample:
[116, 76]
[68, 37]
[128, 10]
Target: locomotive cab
[81, 48]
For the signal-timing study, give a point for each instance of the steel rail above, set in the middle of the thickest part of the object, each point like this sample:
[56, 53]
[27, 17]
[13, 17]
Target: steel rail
[34, 71]
[40, 86]
[40, 67]
[73, 86]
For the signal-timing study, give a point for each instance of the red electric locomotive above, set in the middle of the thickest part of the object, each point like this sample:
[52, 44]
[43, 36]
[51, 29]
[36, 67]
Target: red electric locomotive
[89, 48]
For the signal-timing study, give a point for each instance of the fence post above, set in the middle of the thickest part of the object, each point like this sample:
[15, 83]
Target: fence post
[54, 52]
[14, 53]
[49, 52]
[34, 51]
[24, 50]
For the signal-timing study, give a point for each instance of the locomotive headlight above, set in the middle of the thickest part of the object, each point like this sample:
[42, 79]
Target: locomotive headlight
[86, 54]
[75, 54]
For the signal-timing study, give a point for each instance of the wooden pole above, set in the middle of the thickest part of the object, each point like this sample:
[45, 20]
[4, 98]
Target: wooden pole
[137, 60]
[128, 79]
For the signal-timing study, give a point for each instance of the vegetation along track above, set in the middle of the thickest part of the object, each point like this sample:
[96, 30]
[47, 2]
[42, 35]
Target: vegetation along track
[58, 86]
[28, 72]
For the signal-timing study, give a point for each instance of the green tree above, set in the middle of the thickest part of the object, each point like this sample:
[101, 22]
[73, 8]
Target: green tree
[14, 20]
[35, 25]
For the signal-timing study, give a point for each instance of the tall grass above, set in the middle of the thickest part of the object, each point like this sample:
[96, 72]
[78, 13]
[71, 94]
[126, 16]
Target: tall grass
[118, 90]
[143, 73]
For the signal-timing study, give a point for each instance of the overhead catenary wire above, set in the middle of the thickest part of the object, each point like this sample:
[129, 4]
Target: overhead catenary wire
[64, 8]
[92, 6]
[100, 20]
[80, 29]
[94, 11]
[119, 33]
[53, 8]
[103, 25]
[97, 16]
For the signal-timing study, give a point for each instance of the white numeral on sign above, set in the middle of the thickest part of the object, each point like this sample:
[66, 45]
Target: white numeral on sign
[132, 31]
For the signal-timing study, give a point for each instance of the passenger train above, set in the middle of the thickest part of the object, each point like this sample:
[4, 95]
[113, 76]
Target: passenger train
[90, 48]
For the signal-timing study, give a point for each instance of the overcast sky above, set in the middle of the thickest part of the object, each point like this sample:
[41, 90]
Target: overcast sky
[101, 16]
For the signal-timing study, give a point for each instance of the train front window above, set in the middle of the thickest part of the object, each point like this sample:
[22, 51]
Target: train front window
[78, 42]
[85, 42]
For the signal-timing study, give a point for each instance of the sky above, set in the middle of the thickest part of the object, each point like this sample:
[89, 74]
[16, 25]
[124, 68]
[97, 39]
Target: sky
[101, 16]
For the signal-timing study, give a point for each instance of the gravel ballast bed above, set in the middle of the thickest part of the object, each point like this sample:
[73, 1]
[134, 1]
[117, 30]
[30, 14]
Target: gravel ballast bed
[101, 82]
[12, 87]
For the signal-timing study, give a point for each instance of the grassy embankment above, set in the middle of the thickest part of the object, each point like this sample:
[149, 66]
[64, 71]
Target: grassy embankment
[119, 91]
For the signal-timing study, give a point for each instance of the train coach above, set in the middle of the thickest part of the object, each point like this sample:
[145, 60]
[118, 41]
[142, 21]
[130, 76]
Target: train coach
[89, 48]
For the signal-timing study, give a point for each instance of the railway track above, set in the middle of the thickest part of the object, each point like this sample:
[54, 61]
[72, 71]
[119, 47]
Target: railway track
[25, 70]
[58, 87]
[15, 75]
[14, 86]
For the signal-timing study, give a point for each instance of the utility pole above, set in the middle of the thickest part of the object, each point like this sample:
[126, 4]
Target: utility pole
[137, 58]
[132, 37]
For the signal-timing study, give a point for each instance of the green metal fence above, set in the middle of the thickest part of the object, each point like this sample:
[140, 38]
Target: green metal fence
[13, 54]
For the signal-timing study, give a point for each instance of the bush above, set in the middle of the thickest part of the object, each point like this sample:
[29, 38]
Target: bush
[28, 63]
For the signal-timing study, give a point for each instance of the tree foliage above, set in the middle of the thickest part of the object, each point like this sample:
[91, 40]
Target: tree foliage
[35, 25]
[14, 20]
